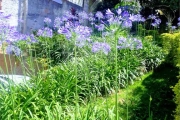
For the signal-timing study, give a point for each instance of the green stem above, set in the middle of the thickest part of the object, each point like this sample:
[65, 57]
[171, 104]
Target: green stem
[127, 82]
[76, 93]
[116, 79]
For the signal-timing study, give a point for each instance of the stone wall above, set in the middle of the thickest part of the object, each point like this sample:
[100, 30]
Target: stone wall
[28, 15]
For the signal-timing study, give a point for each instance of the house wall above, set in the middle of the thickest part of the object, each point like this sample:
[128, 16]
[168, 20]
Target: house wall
[11, 7]
[28, 15]
[39, 9]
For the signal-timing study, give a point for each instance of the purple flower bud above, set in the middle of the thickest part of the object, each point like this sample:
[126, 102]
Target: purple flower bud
[125, 14]
[119, 11]
[108, 12]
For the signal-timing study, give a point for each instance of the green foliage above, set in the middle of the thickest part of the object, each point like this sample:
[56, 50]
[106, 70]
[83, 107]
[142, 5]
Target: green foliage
[173, 4]
[56, 49]
[134, 6]
[176, 90]
[155, 96]
[171, 46]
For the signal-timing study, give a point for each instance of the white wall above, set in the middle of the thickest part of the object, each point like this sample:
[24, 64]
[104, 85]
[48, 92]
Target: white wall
[11, 7]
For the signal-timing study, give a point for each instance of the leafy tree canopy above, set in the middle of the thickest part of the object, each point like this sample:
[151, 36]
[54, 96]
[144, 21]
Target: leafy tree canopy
[173, 4]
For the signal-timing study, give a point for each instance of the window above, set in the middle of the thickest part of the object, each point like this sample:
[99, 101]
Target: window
[58, 1]
[77, 2]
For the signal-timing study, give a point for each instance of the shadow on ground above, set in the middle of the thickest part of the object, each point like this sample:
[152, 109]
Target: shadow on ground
[158, 86]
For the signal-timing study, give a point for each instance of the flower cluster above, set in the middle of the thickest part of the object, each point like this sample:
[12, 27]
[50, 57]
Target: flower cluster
[137, 18]
[156, 22]
[11, 49]
[45, 32]
[101, 46]
[99, 15]
[11, 37]
[178, 22]
[129, 43]
[47, 20]
[81, 33]
[123, 19]
[153, 17]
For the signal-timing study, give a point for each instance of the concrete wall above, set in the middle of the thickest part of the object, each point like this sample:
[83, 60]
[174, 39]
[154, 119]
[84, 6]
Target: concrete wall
[28, 15]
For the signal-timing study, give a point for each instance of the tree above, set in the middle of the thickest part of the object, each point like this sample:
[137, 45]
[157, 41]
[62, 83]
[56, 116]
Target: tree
[105, 4]
[173, 4]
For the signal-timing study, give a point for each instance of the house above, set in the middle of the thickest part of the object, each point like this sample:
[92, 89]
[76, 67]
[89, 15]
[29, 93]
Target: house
[28, 15]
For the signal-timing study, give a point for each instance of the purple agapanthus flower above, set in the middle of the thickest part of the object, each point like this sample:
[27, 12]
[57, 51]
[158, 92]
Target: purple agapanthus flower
[45, 32]
[137, 43]
[32, 38]
[156, 22]
[121, 40]
[109, 14]
[11, 49]
[47, 20]
[173, 27]
[125, 14]
[65, 32]
[83, 30]
[99, 15]
[142, 19]
[179, 19]
[136, 17]
[83, 15]
[127, 24]
[119, 11]
[100, 27]
[178, 24]
[114, 21]
[83, 34]
[129, 43]
[152, 16]
[58, 22]
[101, 46]
[91, 17]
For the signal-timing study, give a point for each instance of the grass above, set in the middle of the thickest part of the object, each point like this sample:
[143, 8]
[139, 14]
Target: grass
[149, 97]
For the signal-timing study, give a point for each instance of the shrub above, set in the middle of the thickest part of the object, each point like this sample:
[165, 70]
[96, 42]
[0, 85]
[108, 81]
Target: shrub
[176, 90]
[171, 47]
